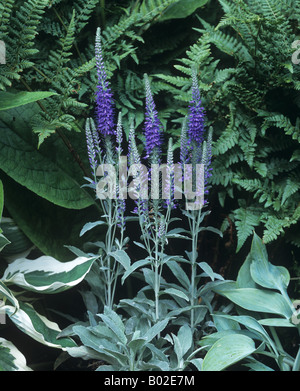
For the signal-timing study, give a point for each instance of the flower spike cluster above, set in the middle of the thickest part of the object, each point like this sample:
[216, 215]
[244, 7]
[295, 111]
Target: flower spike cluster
[90, 146]
[104, 96]
[93, 144]
[153, 126]
[196, 118]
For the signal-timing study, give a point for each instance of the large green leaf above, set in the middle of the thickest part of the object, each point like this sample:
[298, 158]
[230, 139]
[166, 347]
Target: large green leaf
[263, 272]
[253, 325]
[49, 172]
[227, 351]
[257, 300]
[181, 9]
[46, 274]
[10, 100]
[244, 279]
[11, 359]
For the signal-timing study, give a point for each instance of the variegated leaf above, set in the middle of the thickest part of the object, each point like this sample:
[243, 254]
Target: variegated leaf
[46, 274]
[11, 359]
[38, 326]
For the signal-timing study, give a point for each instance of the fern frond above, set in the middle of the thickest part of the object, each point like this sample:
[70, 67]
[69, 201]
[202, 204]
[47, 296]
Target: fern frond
[23, 30]
[246, 219]
[6, 7]
[84, 10]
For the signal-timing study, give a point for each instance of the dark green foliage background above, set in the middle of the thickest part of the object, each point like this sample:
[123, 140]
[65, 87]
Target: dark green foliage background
[250, 88]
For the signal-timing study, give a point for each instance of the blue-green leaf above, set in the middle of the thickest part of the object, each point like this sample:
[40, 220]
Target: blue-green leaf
[258, 300]
[227, 351]
[88, 226]
[263, 272]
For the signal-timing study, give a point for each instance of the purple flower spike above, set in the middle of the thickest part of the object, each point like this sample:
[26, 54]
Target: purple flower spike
[153, 127]
[196, 115]
[104, 101]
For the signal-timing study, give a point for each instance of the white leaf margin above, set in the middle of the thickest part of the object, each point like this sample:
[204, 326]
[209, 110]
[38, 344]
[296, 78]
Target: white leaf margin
[62, 274]
[22, 320]
[19, 361]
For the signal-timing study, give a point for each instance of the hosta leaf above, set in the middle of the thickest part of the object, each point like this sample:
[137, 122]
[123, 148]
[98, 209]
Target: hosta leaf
[11, 359]
[46, 274]
[244, 279]
[252, 325]
[197, 362]
[6, 294]
[263, 272]
[258, 300]
[37, 326]
[227, 351]
[276, 322]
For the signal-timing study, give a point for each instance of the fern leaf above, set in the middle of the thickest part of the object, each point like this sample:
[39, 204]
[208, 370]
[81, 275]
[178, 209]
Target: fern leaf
[245, 220]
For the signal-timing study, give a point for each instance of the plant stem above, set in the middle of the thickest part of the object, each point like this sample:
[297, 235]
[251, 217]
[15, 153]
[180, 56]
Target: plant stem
[156, 271]
[284, 366]
[296, 366]
[108, 249]
[193, 267]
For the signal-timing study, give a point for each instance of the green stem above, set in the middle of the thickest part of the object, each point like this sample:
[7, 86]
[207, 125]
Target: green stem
[193, 226]
[108, 249]
[156, 270]
[284, 366]
[296, 366]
